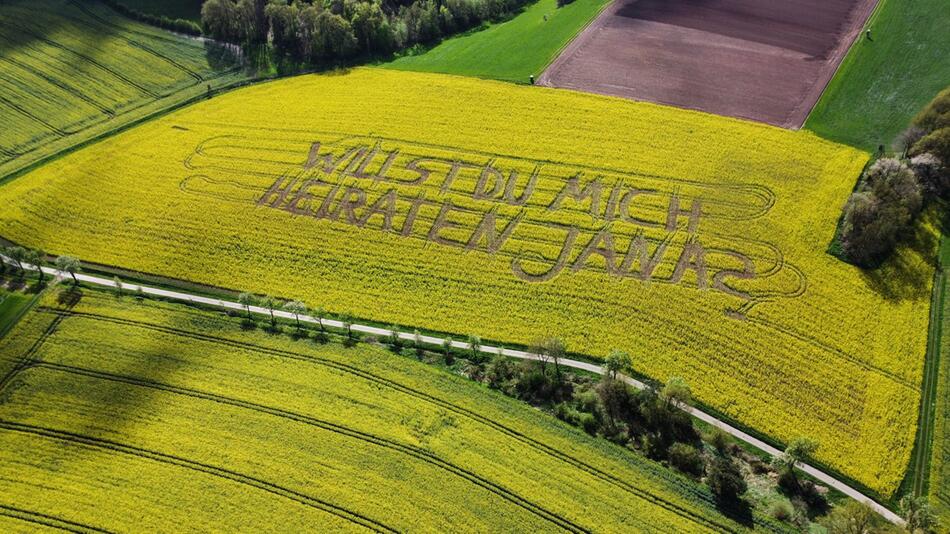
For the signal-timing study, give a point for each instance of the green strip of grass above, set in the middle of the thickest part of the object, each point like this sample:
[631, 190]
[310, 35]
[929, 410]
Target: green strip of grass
[512, 50]
[12, 307]
[938, 490]
[885, 81]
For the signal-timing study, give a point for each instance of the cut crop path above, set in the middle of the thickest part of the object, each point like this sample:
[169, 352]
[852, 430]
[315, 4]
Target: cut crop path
[511, 50]
[885, 81]
[122, 397]
[72, 70]
[694, 242]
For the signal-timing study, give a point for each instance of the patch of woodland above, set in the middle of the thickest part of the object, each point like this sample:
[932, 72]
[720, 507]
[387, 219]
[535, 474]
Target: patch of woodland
[298, 34]
[885, 208]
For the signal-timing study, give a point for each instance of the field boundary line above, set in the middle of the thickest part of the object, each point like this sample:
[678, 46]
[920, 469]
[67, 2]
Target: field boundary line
[814, 472]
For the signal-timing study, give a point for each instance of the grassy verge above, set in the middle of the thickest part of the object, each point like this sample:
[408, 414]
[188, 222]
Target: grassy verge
[884, 81]
[13, 306]
[935, 478]
[511, 50]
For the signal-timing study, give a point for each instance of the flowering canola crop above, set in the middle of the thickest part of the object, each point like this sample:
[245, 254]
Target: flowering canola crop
[697, 243]
[258, 432]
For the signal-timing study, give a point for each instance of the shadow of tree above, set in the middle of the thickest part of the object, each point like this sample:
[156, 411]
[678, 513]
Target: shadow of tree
[738, 510]
[908, 272]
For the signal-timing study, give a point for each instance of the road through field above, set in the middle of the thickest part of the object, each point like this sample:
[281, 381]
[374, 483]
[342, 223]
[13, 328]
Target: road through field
[819, 475]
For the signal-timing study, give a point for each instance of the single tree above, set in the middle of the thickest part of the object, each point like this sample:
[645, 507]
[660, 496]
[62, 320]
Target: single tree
[617, 361]
[270, 303]
[117, 283]
[297, 308]
[475, 346]
[319, 314]
[18, 255]
[246, 300]
[34, 258]
[347, 320]
[797, 451]
[39, 256]
[918, 514]
[549, 349]
[675, 393]
[69, 265]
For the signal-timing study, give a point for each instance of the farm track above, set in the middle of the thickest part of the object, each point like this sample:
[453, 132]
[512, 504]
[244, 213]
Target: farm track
[46, 520]
[107, 445]
[425, 397]
[409, 450]
[925, 424]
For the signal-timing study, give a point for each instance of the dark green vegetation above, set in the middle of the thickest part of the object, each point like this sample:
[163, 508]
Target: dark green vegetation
[173, 9]
[511, 50]
[883, 209]
[883, 82]
[302, 34]
[12, 306]
[72, 71]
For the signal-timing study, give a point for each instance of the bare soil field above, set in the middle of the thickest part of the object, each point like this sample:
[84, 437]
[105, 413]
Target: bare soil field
[765, 60]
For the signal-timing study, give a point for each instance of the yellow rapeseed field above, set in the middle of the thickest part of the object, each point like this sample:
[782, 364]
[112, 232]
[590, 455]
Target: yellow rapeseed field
[697, 243]
[185, 418]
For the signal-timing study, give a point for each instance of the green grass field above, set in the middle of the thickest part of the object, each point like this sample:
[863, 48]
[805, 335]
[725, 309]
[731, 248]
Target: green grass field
[884, 82]
[115, 398]
[70, 71]
[174, 9]
[512, 50]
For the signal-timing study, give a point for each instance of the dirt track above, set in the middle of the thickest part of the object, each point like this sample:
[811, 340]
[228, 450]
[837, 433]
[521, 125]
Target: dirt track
[765, 60]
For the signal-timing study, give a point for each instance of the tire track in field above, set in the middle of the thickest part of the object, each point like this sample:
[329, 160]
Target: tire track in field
[59, 83]
[409, 450]
[119, 35]
[138, 452]
[431, 399]
[47, 520]
[82, 57]
[26, 113]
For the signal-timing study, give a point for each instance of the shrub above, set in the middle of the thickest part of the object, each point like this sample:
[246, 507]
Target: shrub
[937, 143]
[686, 458]
[718, 439]
[725, 480]
[932, 175]
[937, 113]
[781, 511]
[589, 423]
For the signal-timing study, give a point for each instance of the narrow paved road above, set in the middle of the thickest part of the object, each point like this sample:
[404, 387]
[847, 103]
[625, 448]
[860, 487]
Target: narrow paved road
[366, 329]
